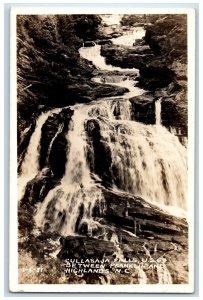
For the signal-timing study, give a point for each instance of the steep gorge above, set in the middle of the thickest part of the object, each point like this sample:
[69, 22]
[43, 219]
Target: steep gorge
[101, 177]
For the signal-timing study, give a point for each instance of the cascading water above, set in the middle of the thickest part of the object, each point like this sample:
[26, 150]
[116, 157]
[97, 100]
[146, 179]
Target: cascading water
[77, 194]
[144, 165]
[146, 161]
[158, 111]
[30, 165]
[129, 37]
[51, 144]
[93, 54]
[123, 81]
[111, 19]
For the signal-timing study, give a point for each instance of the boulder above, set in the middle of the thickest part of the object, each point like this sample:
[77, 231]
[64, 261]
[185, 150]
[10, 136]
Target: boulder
[37, 189]
[104, 42]
[143, 108]
[89, 44]
[127, 57]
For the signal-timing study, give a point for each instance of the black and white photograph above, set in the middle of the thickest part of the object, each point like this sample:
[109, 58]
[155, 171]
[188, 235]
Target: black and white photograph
[102, 155]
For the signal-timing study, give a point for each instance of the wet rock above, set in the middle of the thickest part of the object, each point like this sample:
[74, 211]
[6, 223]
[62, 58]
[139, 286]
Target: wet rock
[85, 92]
[115, 34]
[154, 72]
[100, 162]
[131, 57]
[37, 189]
[139, 42]
[132, 74]
[174, 115]
[83, 247]
[53, 143]
[107, 90]
[143, 108]
[58, 155]
[104, 42]
[138, 216]
[155, 75]
[89, 44]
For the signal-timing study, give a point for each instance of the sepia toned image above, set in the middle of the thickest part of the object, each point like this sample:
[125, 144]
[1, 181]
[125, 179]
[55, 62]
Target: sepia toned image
[102, 112]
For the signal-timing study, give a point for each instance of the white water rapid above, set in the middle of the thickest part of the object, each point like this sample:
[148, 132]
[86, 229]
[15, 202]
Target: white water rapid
[129, 37]
[93, 54]
[111, 20]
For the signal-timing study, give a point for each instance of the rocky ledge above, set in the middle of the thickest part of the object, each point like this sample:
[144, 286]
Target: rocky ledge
[161, 57]
[130, 229]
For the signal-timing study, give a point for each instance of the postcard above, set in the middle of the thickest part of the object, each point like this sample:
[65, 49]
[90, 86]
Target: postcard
[102, 150]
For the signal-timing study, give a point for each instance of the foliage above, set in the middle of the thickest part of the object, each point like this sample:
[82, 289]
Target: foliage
[48, 60]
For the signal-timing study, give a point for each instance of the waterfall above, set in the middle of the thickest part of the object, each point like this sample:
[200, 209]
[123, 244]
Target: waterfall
[30, 165]
[146, 161]
[123, 81]
[158, 111]
[164, 276]
[129, 37]
[140, 160]
[93, 54]
[77, 194]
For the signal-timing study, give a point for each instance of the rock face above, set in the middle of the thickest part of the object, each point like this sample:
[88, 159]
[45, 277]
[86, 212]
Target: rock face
[132, 232]
[131, 57]
[167, 36]
[152, 229]
[143, 108]
[53, 156]
[54, 148]
[161, 57]
[140, 217]
[98, 165]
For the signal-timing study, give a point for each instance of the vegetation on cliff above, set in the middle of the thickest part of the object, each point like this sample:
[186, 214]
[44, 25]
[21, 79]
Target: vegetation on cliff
[161, 57]
[50, 71]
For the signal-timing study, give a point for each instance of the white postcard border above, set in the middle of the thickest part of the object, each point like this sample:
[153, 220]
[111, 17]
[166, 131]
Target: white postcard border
[13, 248]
